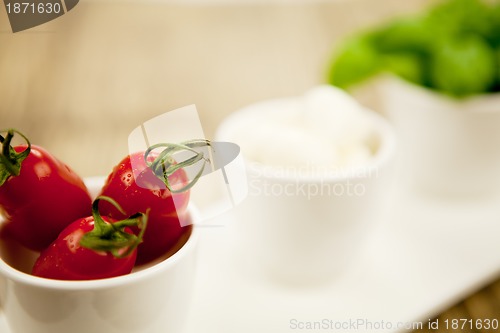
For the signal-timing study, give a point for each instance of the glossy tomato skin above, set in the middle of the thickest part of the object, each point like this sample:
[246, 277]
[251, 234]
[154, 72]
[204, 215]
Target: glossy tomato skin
[137, 189]
[42, 200]
[66, 259]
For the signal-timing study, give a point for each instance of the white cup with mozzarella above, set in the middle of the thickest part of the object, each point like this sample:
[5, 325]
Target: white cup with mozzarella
[319, 168]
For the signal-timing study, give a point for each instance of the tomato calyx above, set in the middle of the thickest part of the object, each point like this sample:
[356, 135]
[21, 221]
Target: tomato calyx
[10, 160]
[164, 165]
[112, 237]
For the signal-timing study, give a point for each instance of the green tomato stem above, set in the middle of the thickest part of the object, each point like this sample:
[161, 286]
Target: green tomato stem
[10, 160]
[112, 237]
[164, 165]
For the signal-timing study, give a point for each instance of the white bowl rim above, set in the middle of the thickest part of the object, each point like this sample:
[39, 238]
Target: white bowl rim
[467, 103]
[123, 280]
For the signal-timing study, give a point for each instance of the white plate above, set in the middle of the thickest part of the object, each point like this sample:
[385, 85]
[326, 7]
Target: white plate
[426, 257]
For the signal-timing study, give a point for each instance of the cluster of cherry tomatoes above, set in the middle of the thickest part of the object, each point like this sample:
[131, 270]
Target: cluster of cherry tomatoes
[137, 217]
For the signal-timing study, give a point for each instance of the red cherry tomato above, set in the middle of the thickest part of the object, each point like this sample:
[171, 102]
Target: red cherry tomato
[136, 188]
[66, 259]
[41, 198]
[91, 248]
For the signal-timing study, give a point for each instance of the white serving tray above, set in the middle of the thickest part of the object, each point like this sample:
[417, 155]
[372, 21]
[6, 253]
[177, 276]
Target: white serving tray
[427, 255]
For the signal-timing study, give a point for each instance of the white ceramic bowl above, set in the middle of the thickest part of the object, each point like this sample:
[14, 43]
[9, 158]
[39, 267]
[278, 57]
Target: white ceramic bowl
[155, 299]
[306, 229]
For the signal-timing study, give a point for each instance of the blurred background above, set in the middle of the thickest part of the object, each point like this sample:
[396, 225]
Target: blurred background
[79, 84]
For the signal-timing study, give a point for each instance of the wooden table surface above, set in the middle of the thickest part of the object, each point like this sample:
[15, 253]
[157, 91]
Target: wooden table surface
[79, 84]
